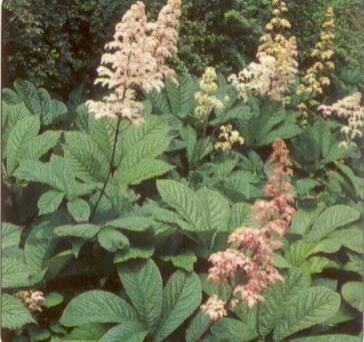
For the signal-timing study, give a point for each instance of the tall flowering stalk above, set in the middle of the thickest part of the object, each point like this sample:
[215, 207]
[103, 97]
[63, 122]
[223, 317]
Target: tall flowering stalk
[247, 265]
[276, 67]
[135, 61]
[350, 109]
[317, 78]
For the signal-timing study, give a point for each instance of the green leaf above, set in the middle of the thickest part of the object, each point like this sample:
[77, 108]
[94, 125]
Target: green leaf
[134, 252]
[232, 330]
[331, 219]
[184, 260]
[14, 314]
[304, 218]
[353, 294]
[87, 161]
[239, 215]
[112, 240]
[217, 209]
[24, 130]
[147, 300]
[97, 307]
[299, 251]
[272, 310]
[40, 145]
[86, 333]
[85, 231]
[328, 338]
[142, 170]
[17, 273]
[317, 264]
[132, 223]
[53, 299]
[198, 327]
[310, 307]
[50, 201]
[10, 235]
[126, 332]
[181, 296]
[79, 209]
[185, 202]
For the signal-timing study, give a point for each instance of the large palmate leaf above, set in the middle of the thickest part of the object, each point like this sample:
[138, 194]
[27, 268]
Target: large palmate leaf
[272, 311]
[181, 296]
[14, 314]
[91, 332]
[50, 201]
[138, 149]
[185, 202]
[97, 307]
[309, 307]
[126, 332]
[217, 209]
[88, 162]
[38, 101]
[331, 219]
[147, 300]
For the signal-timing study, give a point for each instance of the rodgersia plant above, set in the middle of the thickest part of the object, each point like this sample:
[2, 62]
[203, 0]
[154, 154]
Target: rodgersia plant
[159, 182]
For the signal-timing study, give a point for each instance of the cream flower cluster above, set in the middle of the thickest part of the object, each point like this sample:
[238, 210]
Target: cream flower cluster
[317, 76]
[205, 98]
[277, 66]
[228, 137]
[350, 109]
[136, 60]
[31, 299]
[247, 265]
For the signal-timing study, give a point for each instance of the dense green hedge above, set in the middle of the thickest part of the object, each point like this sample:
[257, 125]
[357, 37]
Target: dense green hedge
[60, 47]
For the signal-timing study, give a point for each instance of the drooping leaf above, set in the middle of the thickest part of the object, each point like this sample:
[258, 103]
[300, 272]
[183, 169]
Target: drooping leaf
[184, 260]
[85, 231]
[134, 252]
[79, 209]
[50, 201]
[112, 240]
[97, 307]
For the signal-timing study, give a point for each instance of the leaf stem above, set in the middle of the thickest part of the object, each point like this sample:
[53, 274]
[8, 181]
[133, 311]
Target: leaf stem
[110, 169]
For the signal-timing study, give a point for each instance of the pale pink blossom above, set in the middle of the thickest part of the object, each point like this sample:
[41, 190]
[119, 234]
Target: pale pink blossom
[214, 308]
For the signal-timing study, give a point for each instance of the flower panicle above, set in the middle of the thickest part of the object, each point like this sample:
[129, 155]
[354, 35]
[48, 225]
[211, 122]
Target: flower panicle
[228, 137]
[136, 60]
[317, 76]
[276, 67]
[349, 109]
[205, 97]
[247, 265]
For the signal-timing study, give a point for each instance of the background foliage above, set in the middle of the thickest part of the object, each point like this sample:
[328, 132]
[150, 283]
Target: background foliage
[58, 48]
